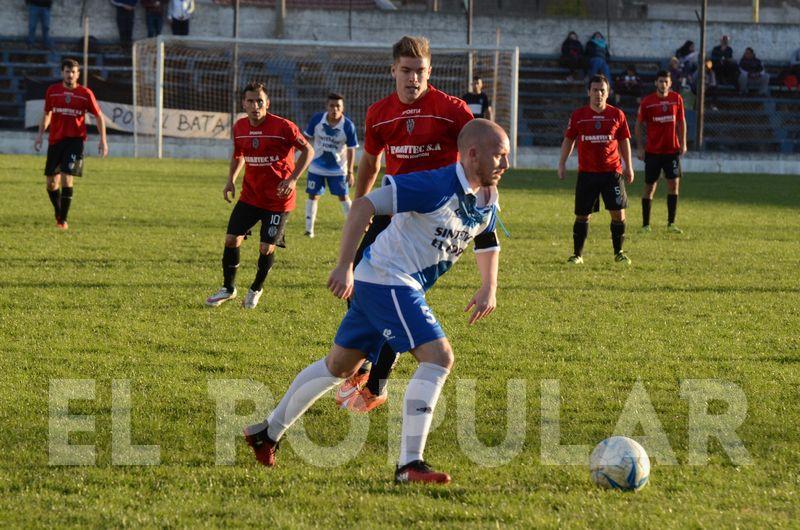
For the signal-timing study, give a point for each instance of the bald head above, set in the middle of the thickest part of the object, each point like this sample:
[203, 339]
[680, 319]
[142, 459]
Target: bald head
[483, 147]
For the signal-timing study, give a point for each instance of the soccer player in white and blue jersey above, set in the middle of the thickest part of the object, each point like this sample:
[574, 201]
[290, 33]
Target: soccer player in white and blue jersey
[436, 214]
[335, 143]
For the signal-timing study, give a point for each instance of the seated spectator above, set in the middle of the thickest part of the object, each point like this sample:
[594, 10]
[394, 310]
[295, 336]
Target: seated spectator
[628, 84]
[752, 73]
[676, 73]
[153, 16]
[125, 16]
[790, 77]
[572, 57]
[725, 68]
[39, 12]
[687, 56]
[597, 53]
[179, 13]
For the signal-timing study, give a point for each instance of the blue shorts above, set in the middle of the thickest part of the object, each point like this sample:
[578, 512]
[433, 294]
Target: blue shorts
[315, 184]
[381, 313]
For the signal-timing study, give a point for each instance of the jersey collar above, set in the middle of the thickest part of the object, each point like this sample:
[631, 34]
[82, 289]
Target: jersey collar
[490, 192]
[462, 179]
[338, 125]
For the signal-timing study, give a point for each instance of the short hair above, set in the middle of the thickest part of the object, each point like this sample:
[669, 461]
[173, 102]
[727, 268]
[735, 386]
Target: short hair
[598, 78]
[335, 96]
[254, 86]
[414, 47]
[477, 78]
[69, 63]
[663, 73]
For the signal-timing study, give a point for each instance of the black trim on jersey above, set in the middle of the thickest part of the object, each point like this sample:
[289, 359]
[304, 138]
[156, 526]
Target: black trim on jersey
[486, 240]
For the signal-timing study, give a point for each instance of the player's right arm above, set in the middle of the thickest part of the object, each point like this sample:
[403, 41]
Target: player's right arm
[43, 125]
[340, 281]
[236, 165]
[566, 149]
[639, 138]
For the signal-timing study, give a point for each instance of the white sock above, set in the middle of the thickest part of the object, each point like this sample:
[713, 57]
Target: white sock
[307, 387]
[311, 214]
[345, 206]
[419, 403]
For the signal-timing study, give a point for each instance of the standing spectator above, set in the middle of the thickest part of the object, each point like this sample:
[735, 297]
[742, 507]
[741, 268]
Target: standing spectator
[711, 84]
[179, 13]
[598, 55]
[154, 16]
[39, 11]
[478, 102]
[125, 15]
[724, 66]
[572, 56]
[687, 55]
[752, 73]
[628, 84]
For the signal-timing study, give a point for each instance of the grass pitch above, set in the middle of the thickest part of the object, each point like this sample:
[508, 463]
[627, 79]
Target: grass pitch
[119, 297]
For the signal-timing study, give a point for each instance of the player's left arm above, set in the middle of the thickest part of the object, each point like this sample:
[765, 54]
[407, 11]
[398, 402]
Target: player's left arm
[485, 300]
[351, 163]
[682, 129]
[625, 153]
[286, 186]
[94, 108]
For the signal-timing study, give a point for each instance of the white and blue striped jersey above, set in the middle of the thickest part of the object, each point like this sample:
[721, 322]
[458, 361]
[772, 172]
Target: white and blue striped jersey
[330, 144]
[436, 215]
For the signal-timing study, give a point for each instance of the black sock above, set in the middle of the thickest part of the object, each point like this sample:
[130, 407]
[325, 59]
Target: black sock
[381, 370]
[672, 207]
[230, 263]
[580, 231]
[265, 262]
[646, 204]
[617, 235]
[55, 198]
[66, 202]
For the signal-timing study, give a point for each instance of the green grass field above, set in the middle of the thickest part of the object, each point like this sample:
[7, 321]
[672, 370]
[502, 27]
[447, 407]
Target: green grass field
[119, 296]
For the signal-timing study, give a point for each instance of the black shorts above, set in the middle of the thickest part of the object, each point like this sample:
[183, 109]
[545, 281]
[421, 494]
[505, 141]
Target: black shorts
[655, 163]
[245, 216]
[65, 156]
[591, 186]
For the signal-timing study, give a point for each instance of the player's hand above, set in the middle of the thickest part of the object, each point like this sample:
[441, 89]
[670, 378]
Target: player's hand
[230, 187]
[285, 187]
[340, 282]
[483, 304]
[628, 172]
[640, 154]
[683, 149]
[562, 171]
[102, 149]
[37, 144]
[351, 179]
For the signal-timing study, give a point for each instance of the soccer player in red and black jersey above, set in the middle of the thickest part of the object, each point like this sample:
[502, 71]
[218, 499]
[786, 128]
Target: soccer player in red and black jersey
[265, 145]
[661, 113]
[601, 132]
[65, 108]
[417, 128]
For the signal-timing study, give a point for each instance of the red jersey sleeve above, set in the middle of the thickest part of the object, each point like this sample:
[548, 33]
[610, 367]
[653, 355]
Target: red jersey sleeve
[640, 116]
[623, 132]
[91, 103]
[681, 113]
[294, 136]
[373, 144]
[48, 103]
[572, 127]
[461, 115]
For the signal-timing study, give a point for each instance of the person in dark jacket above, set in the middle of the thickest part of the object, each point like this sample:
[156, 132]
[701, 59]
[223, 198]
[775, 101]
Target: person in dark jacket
[39, 12]
[724, 65]
[125, 15]
[153, 16]
[752, 73]
[598, 55]
[572, 56]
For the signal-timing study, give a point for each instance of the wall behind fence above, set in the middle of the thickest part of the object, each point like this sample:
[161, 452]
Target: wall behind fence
[648, 38]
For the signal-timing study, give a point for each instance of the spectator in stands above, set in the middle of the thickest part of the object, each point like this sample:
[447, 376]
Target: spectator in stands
[676, 73]
[478, 102]
[725, 67]
[39, 12]
[752, 73]
[597, 53]
[628, 84]
[572, 57]
[711, 83]
[125, 16]
[154, 16]
[790, 77]
[179, 13]
[687, 55]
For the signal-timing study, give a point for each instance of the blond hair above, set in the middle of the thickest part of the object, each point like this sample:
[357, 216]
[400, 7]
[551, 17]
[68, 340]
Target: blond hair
[414, 47]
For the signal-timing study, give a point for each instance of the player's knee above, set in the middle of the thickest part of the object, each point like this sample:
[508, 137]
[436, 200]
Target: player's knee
[52, 184]
[266, 249]
[232, 241]
[583, 218]
[617, 215]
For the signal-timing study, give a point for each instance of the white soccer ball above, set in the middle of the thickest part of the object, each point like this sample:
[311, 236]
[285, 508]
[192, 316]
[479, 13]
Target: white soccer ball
[619, 463]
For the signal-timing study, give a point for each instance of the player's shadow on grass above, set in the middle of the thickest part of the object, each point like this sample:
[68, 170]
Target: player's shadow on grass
[746, 189]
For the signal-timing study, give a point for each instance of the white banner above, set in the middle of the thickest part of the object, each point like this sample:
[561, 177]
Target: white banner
[178, 123]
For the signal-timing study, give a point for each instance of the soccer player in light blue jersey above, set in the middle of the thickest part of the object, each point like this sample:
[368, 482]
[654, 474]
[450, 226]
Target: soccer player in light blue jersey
[436, 214]
[335, 143]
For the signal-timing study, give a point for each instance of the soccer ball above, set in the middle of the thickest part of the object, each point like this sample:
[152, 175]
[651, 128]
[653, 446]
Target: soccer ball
[619, 463]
